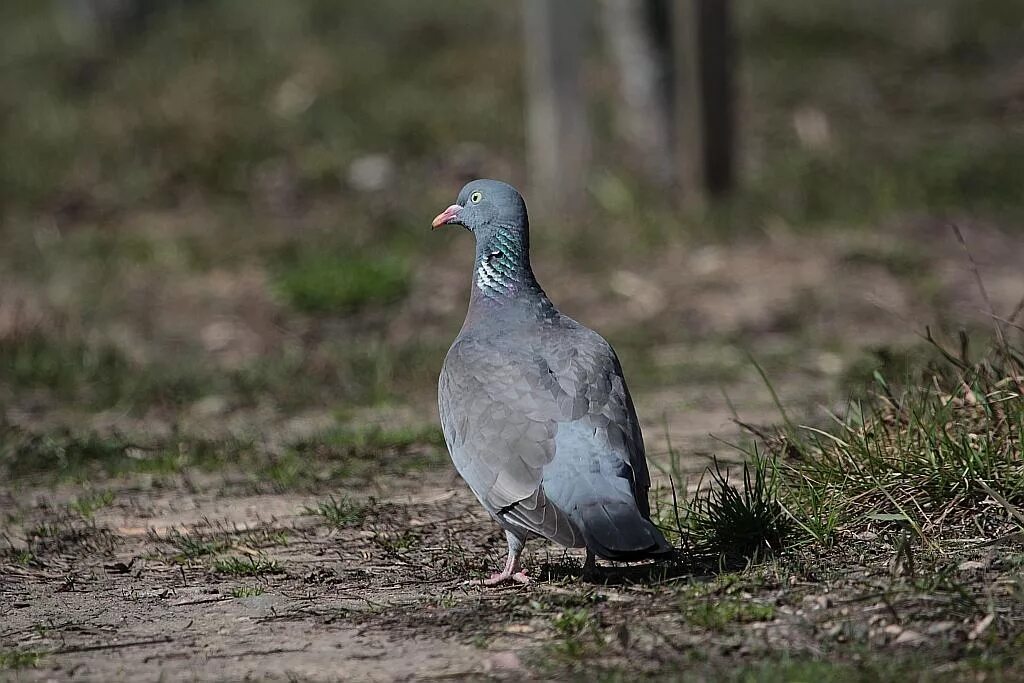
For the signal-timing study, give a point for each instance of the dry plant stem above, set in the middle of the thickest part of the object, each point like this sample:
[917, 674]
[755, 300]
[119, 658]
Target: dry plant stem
[1007, 505]
[996, 320]
[1016, 312]
[981, 283]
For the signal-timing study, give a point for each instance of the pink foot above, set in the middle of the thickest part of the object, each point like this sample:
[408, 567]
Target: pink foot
[518, 577]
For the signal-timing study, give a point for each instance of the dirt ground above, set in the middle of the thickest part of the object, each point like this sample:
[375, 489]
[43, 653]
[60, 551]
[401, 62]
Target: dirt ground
[215, 575]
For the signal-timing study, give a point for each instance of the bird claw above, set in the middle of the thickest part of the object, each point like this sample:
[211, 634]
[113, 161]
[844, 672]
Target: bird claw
[496, 579]
[521, 577]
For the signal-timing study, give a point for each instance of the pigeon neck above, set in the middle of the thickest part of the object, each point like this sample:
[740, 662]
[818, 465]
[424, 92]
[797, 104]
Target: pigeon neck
[502, 270]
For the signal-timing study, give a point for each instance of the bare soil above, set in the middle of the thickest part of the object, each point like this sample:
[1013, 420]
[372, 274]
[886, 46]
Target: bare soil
[117, 594]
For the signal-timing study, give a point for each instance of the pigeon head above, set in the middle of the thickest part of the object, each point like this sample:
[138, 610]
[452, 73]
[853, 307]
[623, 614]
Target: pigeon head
[496, 215]
[484, 206]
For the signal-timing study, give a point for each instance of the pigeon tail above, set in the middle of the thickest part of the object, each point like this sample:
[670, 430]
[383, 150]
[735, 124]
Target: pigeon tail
[616, 531]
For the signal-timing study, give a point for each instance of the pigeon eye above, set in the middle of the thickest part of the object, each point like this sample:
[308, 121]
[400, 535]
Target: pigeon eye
[476, 197]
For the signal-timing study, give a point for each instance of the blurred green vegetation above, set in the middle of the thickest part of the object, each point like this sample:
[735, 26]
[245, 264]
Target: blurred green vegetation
[327, 457]
[860, 110]
[329, 284]
[210, 92]
[100, 375]
[232, 200]
[849, 111]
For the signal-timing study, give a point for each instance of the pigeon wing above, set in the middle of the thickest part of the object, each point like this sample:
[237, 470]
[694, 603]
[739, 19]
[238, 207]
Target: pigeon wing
[502, 406]
[500, 414]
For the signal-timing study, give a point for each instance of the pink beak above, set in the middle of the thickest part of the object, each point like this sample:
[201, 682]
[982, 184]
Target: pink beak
[449, 215]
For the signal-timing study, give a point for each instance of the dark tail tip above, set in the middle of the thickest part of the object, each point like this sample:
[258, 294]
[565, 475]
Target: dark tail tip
[639, 540]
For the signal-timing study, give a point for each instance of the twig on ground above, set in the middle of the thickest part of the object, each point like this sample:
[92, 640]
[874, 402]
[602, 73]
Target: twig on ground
[1007, 505]
[112, 646]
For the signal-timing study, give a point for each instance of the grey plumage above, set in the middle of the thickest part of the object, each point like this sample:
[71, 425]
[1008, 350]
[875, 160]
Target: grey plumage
[534, 407]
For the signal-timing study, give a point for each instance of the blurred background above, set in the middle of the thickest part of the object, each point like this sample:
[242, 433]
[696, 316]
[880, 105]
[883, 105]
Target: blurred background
[215, 213]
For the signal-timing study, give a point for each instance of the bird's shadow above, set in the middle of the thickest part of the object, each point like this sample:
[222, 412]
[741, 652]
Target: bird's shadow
[647, 573]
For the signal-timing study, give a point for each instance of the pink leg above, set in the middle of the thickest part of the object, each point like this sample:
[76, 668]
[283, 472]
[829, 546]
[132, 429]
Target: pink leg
[512, 570]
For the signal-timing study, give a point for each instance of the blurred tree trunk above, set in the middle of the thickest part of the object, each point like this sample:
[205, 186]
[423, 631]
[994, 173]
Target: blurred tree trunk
[558, 137]
[703, 54]
[717, 57]
[115, 17]
[105, 27]
[676, 112]
[638, 33]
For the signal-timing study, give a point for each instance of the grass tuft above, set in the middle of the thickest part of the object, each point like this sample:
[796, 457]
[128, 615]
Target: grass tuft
[192, 546]
[720, 614]
[740, 521]
[247, 591]
[339, 513]
[88, 504]
[939, 459]
[572, 627]
[246, 566]
[19, 659]
[942, 456]
[571, 622]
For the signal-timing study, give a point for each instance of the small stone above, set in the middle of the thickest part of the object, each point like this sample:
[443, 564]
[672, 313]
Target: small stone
[830, 363]
[981, 626]
[503, 661]
[817, 601]
[971, 565]
[910, 638]
[371, 173]
[940, 627]
[210, 406]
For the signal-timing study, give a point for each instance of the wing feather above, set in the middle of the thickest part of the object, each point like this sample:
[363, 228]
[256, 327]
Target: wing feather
[501, 405]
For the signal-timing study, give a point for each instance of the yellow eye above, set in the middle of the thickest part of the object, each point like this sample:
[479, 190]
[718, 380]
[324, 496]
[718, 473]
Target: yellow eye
[476, 197]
